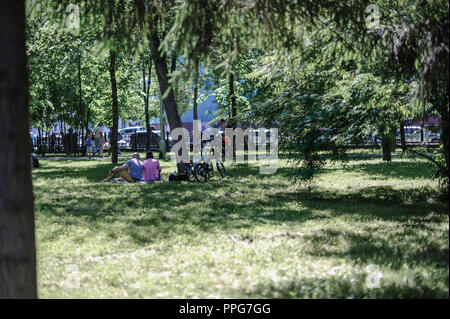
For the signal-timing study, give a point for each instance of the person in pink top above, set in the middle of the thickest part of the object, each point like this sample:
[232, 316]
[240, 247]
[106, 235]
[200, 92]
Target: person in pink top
[152, 169]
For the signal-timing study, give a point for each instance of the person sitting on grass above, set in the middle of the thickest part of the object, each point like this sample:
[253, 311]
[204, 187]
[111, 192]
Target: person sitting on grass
[134, 173]
[152, 169]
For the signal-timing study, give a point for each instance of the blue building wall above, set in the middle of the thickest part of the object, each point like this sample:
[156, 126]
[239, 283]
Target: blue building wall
[206, 109]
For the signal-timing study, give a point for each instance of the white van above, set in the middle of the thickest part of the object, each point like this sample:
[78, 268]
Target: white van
[413, 135]
[126, 132]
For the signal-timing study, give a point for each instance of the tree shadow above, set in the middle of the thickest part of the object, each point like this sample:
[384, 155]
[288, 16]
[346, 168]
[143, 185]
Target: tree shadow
[376, 246]
[396, 168]
[93, 172]
[335, 286]
[160, 211]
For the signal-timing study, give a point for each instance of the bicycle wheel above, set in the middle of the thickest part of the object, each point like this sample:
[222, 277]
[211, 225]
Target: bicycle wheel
[221, 169]
[202, 172]
[210, 170]
[191, 174]
[194, 173]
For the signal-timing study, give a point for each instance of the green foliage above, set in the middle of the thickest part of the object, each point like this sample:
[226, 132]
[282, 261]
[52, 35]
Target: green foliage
[320, 71]
[54, 54]
[222, 98]
[411, 36]
[408, 41]
[321, 104]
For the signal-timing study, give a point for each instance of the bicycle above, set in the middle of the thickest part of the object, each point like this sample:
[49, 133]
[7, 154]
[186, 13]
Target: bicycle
[206, 168]
[192, 172]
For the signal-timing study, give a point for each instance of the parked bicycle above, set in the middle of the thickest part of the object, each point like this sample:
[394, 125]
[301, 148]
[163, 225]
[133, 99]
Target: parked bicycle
[203, 171]
[208, 158]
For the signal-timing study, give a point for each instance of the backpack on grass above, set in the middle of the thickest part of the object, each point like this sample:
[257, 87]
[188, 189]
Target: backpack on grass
[174, 177]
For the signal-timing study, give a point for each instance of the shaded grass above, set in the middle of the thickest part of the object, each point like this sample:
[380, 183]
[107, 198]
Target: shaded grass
[249, 235]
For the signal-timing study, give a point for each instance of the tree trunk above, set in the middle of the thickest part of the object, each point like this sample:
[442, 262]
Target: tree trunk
[47, 141]
[402, 136]
[83, 138]
[233, 111]
[39, 143]
[88, 111]
[115, 106]
[173, 63]
[17, 243]
[173, 67]
[386, 144]
[421, 131]
[162, 145]
[169, 102]
[444, 112]
[232, 98]
[196, 90]
[146, 100]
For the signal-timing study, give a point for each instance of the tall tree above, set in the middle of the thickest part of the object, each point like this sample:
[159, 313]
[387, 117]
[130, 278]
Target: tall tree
[83, 136]
[232, 98]
[195, 109]
[146, 81]
[169, 101]
[17, 243]
[115, 105]
[162, 73]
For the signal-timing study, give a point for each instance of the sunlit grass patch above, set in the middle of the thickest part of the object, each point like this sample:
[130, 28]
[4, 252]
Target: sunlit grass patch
[248, 235]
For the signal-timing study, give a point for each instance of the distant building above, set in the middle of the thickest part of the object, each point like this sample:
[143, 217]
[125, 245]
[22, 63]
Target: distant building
[431, 121]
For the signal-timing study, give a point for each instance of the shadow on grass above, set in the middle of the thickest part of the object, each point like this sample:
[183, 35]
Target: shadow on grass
[395, 229]
[344, 287]
[202, 205]
[376, 246]
[93, 172]
[397, 169]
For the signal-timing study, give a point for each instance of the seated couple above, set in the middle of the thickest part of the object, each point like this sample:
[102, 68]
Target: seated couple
[137, 171]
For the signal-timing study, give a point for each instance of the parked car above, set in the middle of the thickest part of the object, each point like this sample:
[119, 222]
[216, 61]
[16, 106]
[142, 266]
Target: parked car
[138, 139]
[126, 132]
[122, 144]
[413, 135]
[169, 138]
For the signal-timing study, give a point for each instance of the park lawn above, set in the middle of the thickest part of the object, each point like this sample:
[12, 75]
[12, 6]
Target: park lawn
[367, 229]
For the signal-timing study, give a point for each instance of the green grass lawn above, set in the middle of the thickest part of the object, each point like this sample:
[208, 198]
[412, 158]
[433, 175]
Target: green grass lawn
[367, 229]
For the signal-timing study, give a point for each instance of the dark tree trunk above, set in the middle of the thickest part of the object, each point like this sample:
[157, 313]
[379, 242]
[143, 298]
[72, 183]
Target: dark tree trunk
[83, 138]
[421, 131]
[88, 115]
[232, 98]
[196, 91]
[146, 100]
[402, 136]
[39, 141]
[115, 106]
[47, 141]
[173, 63]
[233, 111]
[173, 67]
[386, 145]
[17, 243]
[444, 112]
[169, 102]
